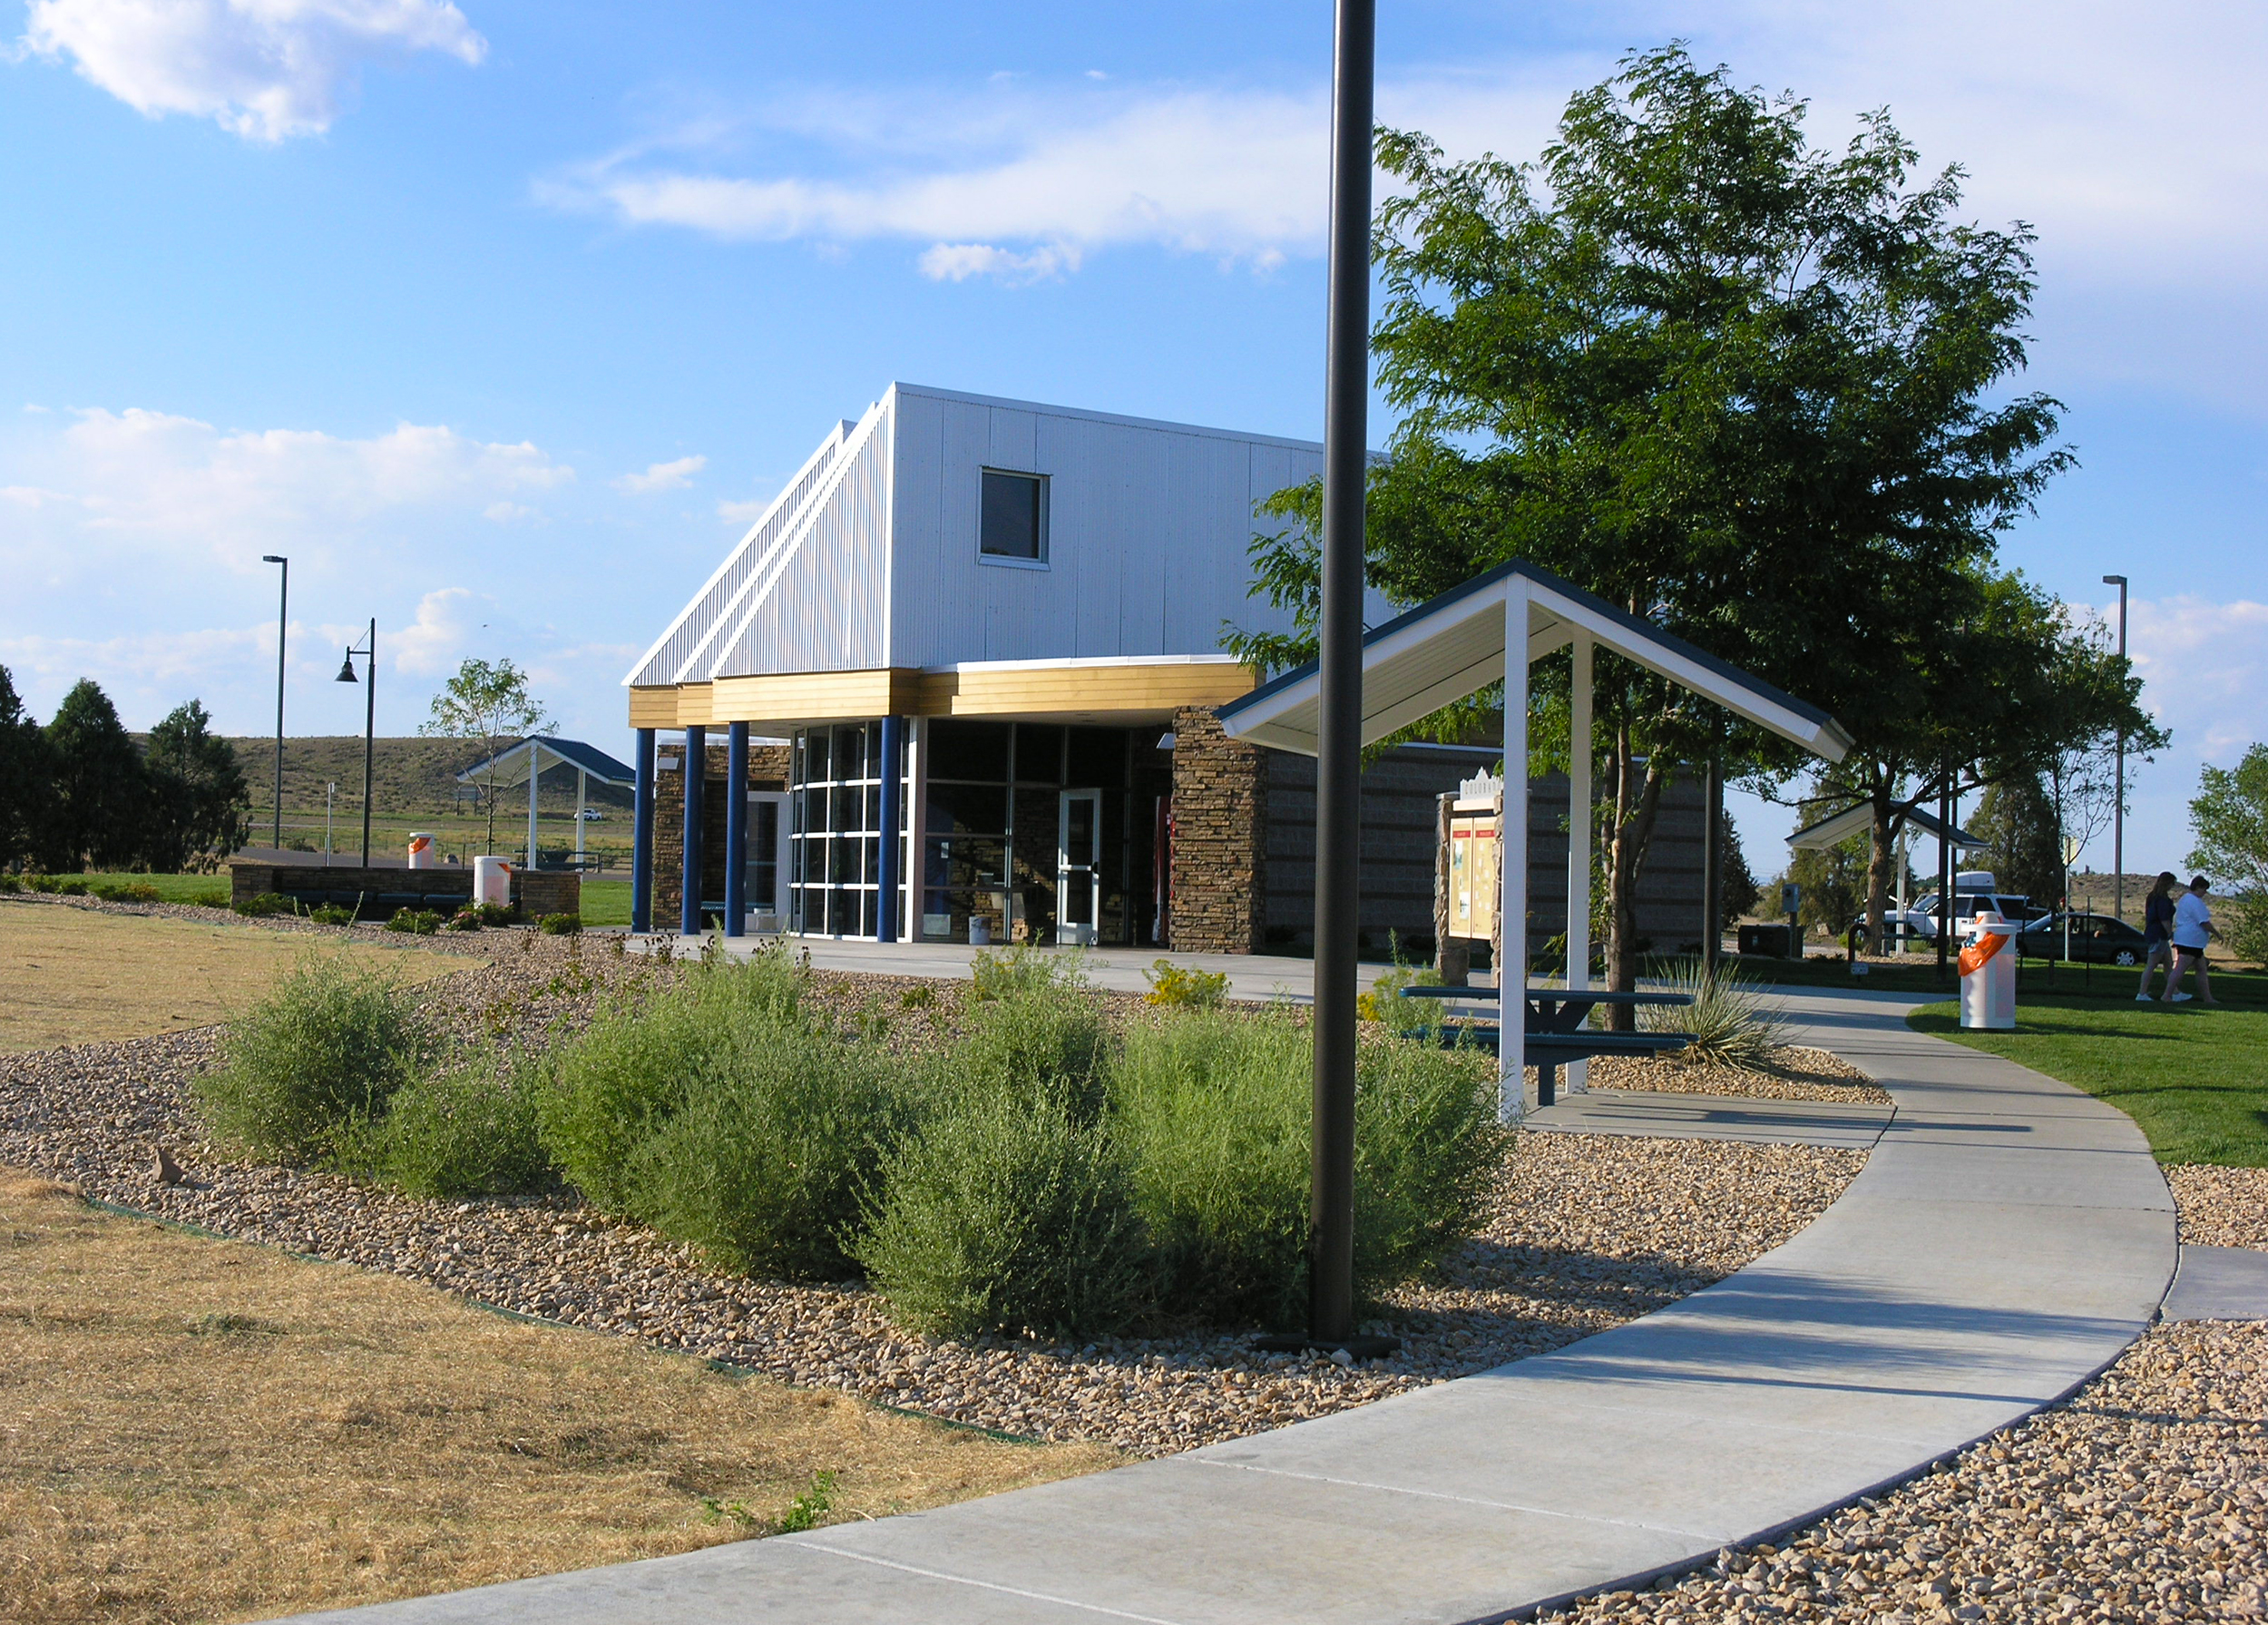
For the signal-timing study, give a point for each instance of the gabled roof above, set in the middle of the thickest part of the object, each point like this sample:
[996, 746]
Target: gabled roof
[1454, 646]
[512, 762]
[1856, 820]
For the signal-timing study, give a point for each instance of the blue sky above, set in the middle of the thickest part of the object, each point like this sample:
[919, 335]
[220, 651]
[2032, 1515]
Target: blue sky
[497, 317]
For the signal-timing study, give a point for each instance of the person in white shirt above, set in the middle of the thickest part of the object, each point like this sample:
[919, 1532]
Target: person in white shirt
[2193, 929]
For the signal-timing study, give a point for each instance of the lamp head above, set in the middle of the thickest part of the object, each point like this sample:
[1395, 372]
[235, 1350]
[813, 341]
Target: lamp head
[2113, 580]
[270, 558]
[346, 668]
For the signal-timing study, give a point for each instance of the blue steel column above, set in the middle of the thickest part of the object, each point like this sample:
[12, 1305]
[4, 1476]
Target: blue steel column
[641, 838]
[892, 799]
[736, 828]
[695, 788]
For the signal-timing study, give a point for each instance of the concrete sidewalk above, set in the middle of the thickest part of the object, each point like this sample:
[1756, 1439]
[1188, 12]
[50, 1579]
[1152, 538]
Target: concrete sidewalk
[2007, 1238]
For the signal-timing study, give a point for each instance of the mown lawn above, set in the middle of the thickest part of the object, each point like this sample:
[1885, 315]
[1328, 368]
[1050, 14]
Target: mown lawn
[2195, 1080]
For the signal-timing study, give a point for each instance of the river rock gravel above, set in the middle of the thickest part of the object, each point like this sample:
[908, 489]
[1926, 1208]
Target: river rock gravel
[1586, 1231]
[2221, 1206]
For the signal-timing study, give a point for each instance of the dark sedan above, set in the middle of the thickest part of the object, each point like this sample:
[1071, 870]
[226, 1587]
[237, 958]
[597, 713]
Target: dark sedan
[2098, 938]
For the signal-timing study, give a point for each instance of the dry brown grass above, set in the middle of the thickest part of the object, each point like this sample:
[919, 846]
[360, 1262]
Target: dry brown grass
[196, 1430]
[77, 976]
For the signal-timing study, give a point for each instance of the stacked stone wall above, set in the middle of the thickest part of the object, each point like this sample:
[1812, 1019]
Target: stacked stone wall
[767, 770]
[1220, 811]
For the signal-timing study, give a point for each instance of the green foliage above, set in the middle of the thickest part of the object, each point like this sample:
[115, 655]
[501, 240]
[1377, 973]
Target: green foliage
[1178, 987]
[124, 891]
[492, 914]
[490, 706]
[199, 805]
[332, 914]
[467, 1128]
[102, 794]
[1004, 974]
[209, 899]
[416, 922]
[262, 905]
[303, 1068]
[1039, 1042]
[1007, 1214]
[27, 784]
[921, 997]
[10, 884]
[1731, 1021]
[569, 923]
[816, 1502]
[464, 919]
[2229, 817]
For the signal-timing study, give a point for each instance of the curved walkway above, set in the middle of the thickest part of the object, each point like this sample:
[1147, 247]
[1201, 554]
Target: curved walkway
[2009, 1237]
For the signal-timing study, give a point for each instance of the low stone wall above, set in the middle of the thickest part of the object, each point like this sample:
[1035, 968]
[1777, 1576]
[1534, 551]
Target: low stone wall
[383, 890]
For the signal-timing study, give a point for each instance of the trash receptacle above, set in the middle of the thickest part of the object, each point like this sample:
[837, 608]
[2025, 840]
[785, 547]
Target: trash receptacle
[422, 853]
[492, 881]
[1769, 942]
[1988, 971]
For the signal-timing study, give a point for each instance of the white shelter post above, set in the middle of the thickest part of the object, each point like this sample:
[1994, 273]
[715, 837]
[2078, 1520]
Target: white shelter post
[533, 773]
[1578, 841]
[1511, 883]
[583, 800]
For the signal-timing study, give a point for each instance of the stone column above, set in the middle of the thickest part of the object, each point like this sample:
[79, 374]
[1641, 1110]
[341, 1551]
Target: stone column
[1220, 838]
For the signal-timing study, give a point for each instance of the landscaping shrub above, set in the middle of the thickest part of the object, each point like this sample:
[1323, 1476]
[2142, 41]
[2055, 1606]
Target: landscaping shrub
[569, 923]
[1005, 1216]
[332, 914]
[1731, 1021]
[260, 905]
[10, 884]
[466, 1128]
[126, 891]
[320, 1054]
[492, 913]
[212, 899]
[1042, 1043]
[1214, 1110]
[417, 922]
[1025, 969]
[1173, 987]
[64, 888]
[464, 919]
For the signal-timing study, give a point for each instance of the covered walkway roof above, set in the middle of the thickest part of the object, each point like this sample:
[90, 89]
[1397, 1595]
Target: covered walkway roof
[1857, 820]
[512, 762]
[1454, 646]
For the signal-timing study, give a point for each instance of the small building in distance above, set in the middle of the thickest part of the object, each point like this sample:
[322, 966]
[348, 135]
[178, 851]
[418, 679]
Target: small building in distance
[968, 661]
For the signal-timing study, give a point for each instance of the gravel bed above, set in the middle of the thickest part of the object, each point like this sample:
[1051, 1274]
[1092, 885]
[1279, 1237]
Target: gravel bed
[2221, 1206]
[2143, 1498]
[1587, 1232]
[1797, 1072]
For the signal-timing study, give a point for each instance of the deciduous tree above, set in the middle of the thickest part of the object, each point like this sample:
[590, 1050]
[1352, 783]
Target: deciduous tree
[489, 705]
[2229, 817]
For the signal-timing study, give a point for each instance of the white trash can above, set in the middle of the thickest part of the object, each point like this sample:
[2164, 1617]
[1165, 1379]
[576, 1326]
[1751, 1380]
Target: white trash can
[422, 853]
[980, 932]
[492, 881]
[1988, 971]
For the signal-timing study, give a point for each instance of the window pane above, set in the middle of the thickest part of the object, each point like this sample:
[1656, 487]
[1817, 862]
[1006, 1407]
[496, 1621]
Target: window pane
[972, 808]
[1010, 527]
[814, 755]
[1097, 759]
[1039, 753]
[976, 750]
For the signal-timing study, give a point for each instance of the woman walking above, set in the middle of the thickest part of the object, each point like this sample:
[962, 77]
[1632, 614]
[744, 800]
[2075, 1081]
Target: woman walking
[2157, 935]
[2193, 929]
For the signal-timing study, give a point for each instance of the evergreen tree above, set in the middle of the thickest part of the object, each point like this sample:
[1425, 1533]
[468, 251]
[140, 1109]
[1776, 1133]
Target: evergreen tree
[27, 785]
[101, 793]
[200, 807]
[2025, 850]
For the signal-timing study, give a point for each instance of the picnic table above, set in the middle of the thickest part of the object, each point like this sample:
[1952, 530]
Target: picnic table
[1554, 1033]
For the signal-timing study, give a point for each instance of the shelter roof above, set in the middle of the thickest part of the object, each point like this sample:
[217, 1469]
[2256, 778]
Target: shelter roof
[1454, 646]
[512, 762]
[1856, 820]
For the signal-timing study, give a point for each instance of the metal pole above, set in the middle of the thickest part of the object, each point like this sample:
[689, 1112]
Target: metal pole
[1338, 764]
[736, 828]
[1944, 871]
[283, 620]
[1712, 863]
[641, 838]
[370, 737]
[2118, 807]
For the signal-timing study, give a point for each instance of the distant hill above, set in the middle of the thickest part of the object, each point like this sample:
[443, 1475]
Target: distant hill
[411, 778]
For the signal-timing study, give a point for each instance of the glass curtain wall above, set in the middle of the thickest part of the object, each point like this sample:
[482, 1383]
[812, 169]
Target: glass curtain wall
[835, 853]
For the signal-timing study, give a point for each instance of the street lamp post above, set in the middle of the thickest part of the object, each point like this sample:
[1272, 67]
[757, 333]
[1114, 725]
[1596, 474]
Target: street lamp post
[283, 612]
[369, 653]
[2119, 802]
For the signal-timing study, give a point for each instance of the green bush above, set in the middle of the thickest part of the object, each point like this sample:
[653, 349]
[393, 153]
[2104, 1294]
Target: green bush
[306, 1065]
[465, 1128]
[1731, 1022]
[1173, 987]
[260, 905]
[1214, 1110]
[1011, 971]
[10, 884]
[1038, 1043]
[569, 923]
[332, 914]
[212, 899]
[1006, 1216]
[492, 913]
[125, 891]
[417, 922]
[67, 888]
[464, 919]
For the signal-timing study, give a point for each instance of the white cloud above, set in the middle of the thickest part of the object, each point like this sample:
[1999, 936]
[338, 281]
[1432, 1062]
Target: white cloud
[958, 261]
[2204, 665]
[662, 476]
[744, 513]
[263, 69]
[437, 638]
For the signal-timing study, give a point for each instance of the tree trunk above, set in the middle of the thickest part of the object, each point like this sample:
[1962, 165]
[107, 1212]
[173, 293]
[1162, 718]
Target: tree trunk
[1878, 861]
[1636, 801]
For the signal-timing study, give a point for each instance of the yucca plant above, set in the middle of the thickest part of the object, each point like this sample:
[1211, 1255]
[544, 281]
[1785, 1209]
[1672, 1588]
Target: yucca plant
[1731, 1022]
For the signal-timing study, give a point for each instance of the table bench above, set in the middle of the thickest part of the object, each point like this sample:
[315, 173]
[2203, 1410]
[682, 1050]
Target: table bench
[1554, 1032]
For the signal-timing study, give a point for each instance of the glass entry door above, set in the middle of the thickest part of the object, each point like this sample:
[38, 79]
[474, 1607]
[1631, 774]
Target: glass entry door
[1078, 866]
[766, 884]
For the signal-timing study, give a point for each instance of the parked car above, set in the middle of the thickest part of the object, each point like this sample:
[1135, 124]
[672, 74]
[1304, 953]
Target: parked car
[1921, 920]
[2098, 938]
[592, 815]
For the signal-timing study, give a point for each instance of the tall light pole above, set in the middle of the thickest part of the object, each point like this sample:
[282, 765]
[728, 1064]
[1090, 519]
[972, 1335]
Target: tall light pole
[369, 651]
[2118, 805]
[283, 612]
[1338, 762]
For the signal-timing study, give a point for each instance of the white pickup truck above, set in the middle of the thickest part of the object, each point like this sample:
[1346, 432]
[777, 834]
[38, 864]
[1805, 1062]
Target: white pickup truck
[1973, 890]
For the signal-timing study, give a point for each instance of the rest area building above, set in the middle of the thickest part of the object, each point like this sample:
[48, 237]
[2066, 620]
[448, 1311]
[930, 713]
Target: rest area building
[958, 682]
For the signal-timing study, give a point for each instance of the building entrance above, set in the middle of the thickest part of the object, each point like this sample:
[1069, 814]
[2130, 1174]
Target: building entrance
[1078, 867]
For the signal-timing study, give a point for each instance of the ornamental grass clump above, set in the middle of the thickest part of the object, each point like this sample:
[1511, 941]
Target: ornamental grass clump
[1730, 1023]
[304, 1068]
